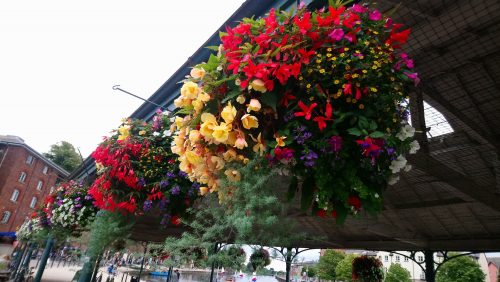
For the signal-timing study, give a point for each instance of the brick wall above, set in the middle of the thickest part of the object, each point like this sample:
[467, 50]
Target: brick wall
[14, 163]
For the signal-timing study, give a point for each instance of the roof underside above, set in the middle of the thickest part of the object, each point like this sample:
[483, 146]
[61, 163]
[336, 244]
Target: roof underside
[451, 199]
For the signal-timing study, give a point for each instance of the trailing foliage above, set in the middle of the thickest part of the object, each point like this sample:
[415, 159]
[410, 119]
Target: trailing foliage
[367, 269]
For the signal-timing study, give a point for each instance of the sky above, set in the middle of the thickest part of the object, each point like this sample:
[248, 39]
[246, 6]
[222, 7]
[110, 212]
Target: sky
[59, 60]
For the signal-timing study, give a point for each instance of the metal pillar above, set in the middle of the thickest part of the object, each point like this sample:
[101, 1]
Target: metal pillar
[430, 273]
[288, 263]
[216, 249]
[43, 259]
[19, 256]
[169, 277]
[145, 244]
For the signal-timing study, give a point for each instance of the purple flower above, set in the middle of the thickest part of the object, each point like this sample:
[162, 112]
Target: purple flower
[176, 190]
[301, 135]
[337, 34]
[166, 219]
[59, 202]
[170, 174]
[335, 143]
[88, 197]
[164, 183]
[288, 117]
[163, 204]
[309, 157]
[142, 182]
[183, 174]
[375, 15]
[77, 199]
[148, 205]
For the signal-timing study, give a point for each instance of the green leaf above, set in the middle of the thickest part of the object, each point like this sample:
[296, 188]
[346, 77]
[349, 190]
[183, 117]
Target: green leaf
[307, 193]
[219, 82]
[185, 111]
[270, 99]
[214, 48]
[232, 94]
[354, 131]
[377, 134]
[363, 122]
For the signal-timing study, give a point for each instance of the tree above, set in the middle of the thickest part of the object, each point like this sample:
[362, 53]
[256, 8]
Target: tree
[65, 155]
[460, 269]
[311, 271]
[343, 270]
[397, 273]
[327, 264]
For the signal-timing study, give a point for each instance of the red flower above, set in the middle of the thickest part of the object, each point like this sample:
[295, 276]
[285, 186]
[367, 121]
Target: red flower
[176, 220]
[355, 202]
[321, 213]
[398, 37]
[303, 22]
[306, 110]
[334, 214]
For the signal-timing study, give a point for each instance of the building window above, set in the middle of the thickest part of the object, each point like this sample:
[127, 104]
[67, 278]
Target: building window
[51, 190]
[386, 258]
[15, 195]
[39, 185]
[22, 177]
[397, 259]
[30, 160]
[5, 217]
[420, 258]
[33, 202]
[406, 259]
[45, 169]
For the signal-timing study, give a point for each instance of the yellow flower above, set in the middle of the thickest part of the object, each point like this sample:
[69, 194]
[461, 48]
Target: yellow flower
[241, 99]
[179, 122]
[249, 121]
[204, 97]
[241, 143]
[259, 147]
[142, 132]
[208, 124]
[253, 106]
[194, 136]
[203, 190]
[221, 132]
[190, 90]
[280, 141]
[233, 175]
[258, 85]
[217, 162]
[197, 105]
[124, 132]
[229, 155]
[228, 113]
[192, 157]
[197, 72]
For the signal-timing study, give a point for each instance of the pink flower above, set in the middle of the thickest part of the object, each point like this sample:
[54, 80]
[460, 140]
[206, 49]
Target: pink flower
[337, 34]
[375, 15]
[359, 8]
[413, 76]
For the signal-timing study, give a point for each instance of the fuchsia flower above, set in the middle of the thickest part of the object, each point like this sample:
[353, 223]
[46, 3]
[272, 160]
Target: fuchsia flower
[375, 15]
[335, 143]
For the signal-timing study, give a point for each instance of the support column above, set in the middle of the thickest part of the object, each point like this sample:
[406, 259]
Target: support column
[430, 274]
[288, 263]
[216, 249]
[19, 256]
[145, 244]
[43, 259]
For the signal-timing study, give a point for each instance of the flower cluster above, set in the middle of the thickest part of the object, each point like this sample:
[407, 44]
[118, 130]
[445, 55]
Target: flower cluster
[137, 173]
[69, 208]
[366, 268]
[320, 94]
[29, 229]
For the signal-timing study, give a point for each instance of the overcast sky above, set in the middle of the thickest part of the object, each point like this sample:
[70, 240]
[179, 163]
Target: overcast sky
[59, 60]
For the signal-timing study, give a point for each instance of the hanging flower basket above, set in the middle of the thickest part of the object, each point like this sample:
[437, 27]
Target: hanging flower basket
[138, 174]
[68, 208]
[367, 269]
[322, 95]
[260, 258]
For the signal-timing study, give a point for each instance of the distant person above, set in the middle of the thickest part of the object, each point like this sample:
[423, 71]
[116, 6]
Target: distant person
[178, 274]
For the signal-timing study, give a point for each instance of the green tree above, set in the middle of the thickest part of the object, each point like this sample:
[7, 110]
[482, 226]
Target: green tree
[327, 264]
[460, 269]
[397, 273]
[311, 271]
[65, 155]
[344, 268]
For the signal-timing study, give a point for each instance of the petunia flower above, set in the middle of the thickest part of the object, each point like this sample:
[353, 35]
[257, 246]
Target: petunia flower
[337, 34]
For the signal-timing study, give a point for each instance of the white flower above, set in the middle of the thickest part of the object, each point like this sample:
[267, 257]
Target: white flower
[167, 133]
[398, 164]
[414, 147]
[407, 167]
[406, 132]
[156, 134]
[393, 179]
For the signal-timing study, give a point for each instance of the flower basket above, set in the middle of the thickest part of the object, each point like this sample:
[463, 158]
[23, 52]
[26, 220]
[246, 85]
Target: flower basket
[321, 95]
[367, 269]
[138, 174]
[260, 258]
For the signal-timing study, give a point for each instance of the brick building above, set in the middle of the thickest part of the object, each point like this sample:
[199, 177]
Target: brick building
[26, 177]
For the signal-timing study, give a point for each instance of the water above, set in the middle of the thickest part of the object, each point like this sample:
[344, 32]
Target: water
[204, 277]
